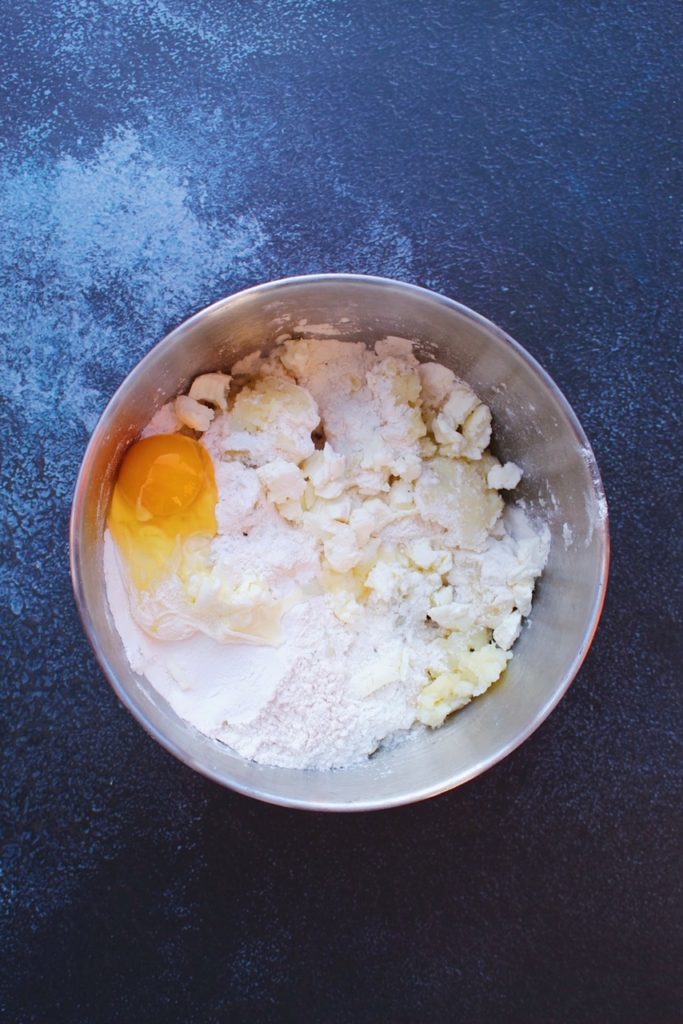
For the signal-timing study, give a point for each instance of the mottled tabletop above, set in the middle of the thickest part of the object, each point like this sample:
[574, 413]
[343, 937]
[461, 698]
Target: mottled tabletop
[521, 156]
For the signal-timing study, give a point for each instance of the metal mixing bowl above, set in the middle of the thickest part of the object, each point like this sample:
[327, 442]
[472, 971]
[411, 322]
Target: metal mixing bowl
[533, 425]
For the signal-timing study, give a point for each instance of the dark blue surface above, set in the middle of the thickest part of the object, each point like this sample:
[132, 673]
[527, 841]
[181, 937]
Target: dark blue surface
[521, 157]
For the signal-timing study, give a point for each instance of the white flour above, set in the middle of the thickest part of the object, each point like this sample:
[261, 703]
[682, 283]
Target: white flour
[401, 584]
[287, 705]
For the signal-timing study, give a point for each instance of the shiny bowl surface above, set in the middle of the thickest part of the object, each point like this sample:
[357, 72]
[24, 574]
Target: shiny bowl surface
[533, 425]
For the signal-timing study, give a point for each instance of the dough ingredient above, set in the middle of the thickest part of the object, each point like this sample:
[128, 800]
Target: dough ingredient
[312, 556]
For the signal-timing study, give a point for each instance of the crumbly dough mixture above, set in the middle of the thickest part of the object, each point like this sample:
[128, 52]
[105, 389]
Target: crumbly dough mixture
[365, 577]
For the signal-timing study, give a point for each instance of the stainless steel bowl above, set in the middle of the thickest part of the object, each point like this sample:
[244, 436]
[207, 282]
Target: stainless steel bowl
[533, 425]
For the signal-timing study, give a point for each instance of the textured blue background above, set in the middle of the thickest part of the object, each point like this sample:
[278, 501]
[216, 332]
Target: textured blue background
[520, 156]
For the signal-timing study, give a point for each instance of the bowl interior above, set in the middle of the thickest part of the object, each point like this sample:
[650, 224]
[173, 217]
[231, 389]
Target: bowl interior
[533, 425]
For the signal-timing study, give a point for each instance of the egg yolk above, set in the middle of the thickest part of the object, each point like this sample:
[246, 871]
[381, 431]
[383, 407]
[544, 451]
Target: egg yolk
[165, 492]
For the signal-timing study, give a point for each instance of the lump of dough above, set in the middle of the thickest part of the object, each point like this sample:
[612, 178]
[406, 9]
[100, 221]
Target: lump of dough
[454, 494]
[271, 418]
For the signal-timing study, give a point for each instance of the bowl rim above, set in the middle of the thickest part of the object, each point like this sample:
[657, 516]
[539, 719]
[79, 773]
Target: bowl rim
[411, 796]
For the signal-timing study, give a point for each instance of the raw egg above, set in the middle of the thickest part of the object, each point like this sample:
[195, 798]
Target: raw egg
[165, 493]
